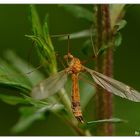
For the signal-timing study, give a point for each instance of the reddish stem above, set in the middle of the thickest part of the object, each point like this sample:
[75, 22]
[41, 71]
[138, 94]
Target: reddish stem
[105, 66]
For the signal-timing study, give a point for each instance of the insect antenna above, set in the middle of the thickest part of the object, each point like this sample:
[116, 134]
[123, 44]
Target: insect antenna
[92, 42]
[22, 73]
[38, 67]
[68, 44]
[29, 60]
[60, 60]
[62, 35]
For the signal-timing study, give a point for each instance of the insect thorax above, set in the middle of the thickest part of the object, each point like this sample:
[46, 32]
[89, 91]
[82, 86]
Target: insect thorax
[75, 66]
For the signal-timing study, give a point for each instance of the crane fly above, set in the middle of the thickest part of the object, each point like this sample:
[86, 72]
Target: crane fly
[54, 83]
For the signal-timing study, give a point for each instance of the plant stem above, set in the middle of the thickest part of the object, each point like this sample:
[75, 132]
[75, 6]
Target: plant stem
[78, 130]
[104, 64]
[108, 69]
[66, 101]
[71, 121]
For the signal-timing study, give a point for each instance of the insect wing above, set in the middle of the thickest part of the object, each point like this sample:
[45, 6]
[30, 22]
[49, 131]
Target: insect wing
[114, 86]
[49, 86]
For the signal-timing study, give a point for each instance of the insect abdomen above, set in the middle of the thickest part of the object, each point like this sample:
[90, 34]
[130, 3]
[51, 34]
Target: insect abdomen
[76, 108]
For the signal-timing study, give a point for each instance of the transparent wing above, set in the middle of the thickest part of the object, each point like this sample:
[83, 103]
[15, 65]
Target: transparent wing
[49, 86]
[114, 86]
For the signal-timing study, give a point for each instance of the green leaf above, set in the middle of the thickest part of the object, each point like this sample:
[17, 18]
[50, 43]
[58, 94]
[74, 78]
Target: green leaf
[76, 35]
[49, 103]
[41, 35]
[102, 49]
[11, 77]
[42, 48]
[118, 39]
[43, 42]
[79, 12]
[121, 24]
[46, 34]
[13, 100]
[87, 48]
[115, 12]
[36, 25]
[45, 26]
[46, 53]
[13, 74]
[24, 99]
[33, 75]
[112, 120]
[29, 115]
[36, 103]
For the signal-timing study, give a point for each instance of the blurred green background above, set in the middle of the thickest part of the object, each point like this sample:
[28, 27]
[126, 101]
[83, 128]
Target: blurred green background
[14, 24]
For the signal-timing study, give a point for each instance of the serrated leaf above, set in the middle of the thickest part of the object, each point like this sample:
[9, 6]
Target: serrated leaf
[79, 12]
[13, 100]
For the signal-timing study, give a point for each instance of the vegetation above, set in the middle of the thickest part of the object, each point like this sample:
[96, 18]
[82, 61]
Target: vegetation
[103, 34]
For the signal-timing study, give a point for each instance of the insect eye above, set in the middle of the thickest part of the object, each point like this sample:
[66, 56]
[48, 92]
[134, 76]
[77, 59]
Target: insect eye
[65, 57]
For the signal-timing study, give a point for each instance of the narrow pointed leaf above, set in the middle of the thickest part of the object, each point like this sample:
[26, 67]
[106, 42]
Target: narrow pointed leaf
[11, 77]
[112, 120]
[79, 12]
[29, 115]
[33, 75]
[13, 100]
[36, 25]
[118, 40]
[76, 35]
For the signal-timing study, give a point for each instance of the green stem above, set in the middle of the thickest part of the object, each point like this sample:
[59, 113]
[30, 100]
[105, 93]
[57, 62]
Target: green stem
[66, 101]
[64, 97]
[71, 121]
